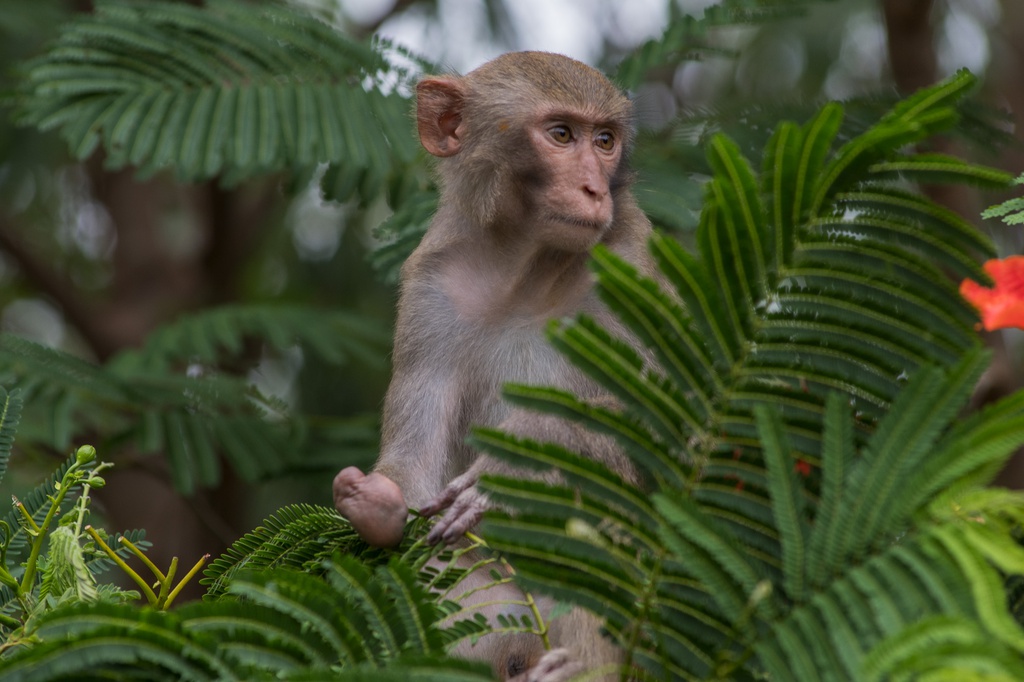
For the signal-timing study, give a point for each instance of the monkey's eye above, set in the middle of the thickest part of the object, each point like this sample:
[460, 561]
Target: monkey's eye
[605, 141]
[560, 134]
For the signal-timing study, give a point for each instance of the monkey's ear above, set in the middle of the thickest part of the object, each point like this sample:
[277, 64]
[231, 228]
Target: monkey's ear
[439, 103]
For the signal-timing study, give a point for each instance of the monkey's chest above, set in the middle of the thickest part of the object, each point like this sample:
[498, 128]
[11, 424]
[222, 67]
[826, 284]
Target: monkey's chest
[521, 354]
[518, 355]
[515, 312]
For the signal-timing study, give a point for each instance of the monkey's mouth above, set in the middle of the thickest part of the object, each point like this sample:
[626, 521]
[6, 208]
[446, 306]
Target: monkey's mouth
[595, 225]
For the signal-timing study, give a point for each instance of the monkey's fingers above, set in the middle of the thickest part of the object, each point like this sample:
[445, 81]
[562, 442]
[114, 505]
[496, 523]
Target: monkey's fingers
[451, 492]
[441, 502]
[465, 513]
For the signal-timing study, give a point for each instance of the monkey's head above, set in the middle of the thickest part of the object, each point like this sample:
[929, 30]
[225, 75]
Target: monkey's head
[530, 141]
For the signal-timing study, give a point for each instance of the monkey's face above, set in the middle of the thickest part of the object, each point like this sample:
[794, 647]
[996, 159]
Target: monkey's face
[531, 147]
[577, 158]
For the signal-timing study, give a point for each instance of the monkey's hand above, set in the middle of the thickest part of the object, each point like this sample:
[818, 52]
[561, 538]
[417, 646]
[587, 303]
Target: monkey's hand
[555, 666]
[465, 504]
[373, 504]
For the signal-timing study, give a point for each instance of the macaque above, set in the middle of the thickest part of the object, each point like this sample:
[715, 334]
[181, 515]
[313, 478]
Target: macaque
[532, 152]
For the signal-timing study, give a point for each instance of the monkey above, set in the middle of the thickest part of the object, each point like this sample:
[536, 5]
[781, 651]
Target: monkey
[532, 161]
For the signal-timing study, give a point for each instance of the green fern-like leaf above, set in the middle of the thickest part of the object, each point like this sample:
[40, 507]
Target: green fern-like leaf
[65, 569]
[295, 536]
[667, 188]
[686, 37]
[407, 668]
[298, 537]
[877, 606]
[402, 232]
[416, 609]
[787, 496]
[208, 337]
[299, 625]
[88, 640]
[655, 456]
[221, 90]
[831, 530]
[306, 599]
[942, 647]
[192, 419]
[96, 563]
[10, 414]
[36, 504]
[1011, 211]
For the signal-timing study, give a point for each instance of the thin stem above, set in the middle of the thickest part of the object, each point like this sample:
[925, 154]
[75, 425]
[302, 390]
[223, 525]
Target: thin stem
[146, 589]
[165, 583]
[28, 517]
[37, 542]
[485, 586]
[82, 504]
[542, 625]
[142, 557]
[646, 610]
[83, 500]
[188, 576]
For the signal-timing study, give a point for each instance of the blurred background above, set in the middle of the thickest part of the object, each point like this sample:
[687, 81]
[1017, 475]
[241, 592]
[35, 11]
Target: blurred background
[96, 262]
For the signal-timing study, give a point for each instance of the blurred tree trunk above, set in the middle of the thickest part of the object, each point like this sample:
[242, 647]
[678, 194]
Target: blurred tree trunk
[910, 27]
[911, 43]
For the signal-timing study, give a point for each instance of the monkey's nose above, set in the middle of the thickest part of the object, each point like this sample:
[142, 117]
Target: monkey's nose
[595, 205]
[596, 190]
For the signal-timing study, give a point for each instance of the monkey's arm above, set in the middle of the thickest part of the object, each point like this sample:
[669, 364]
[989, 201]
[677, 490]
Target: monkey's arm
[412, 466]
[421, 406]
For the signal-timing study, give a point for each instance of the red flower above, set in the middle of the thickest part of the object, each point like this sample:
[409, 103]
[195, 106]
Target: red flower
[803, 468]
[1002, 306]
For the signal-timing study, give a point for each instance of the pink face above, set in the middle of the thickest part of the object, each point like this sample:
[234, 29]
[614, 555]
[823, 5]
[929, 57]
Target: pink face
[581, 157]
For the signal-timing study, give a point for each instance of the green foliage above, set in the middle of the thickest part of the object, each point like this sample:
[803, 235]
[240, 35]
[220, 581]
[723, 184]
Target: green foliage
[277, 624]
[686, 37]
[401, 233]
[45, 560]
[299, 537]
[10, 413]
[225, 90]
[1011, 211]
[222, 90]
[173, 396]
[816, 495]
[207, 338]
[307, 538]
[283, 598]
[65, 556]
[66, 569]
[186, 417]
[672, 166]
